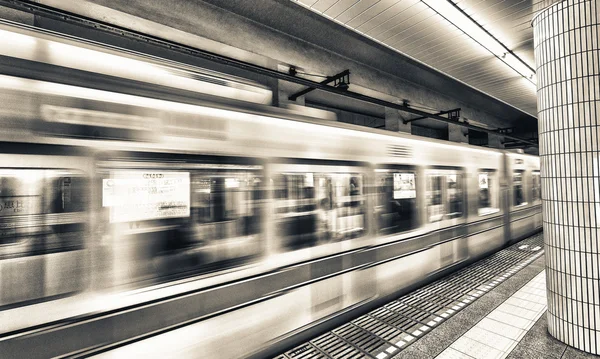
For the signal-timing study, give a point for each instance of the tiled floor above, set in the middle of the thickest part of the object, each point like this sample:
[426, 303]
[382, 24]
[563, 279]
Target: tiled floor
[538, 344]
[534, 343]
[443, 336]
[499, 332]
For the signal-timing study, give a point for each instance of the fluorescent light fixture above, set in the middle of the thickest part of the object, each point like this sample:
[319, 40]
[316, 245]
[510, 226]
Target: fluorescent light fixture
[449, 11]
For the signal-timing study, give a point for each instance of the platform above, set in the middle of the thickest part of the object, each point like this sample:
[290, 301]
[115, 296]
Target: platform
[494, 308]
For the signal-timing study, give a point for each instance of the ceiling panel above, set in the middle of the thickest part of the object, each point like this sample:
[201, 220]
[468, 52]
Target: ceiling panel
[414, 29]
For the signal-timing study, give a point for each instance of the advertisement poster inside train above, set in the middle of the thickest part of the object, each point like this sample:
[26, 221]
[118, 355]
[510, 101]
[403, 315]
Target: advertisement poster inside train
[483, 180]
[404, 186]
[144, 195]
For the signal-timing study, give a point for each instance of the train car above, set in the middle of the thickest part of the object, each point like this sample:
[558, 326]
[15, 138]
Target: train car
[135, 204]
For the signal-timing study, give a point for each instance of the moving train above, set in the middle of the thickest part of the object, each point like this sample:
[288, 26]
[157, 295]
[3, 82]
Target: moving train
[135, 200]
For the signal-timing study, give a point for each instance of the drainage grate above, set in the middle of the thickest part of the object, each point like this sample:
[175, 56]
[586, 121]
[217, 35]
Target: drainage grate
[392, 327]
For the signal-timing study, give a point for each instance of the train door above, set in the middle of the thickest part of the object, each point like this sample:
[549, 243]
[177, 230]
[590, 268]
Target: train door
[320, 210]
[44, 215]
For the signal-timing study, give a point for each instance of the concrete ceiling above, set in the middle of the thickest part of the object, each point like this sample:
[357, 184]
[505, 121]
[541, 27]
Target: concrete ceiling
[414, 29]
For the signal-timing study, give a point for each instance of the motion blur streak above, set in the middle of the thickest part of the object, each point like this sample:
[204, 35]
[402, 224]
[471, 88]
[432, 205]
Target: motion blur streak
[31, 45]
[130, 215]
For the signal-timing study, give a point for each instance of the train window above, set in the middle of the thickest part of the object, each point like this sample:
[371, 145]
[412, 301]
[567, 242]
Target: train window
[488, 192]
[66, 193]
[435, 206]
[518, 191]
[175, 220]
[315, 208]
[536, 187]
[224, 205]
[396, 208]
[444, 195]
[25, 194]
[454, 195]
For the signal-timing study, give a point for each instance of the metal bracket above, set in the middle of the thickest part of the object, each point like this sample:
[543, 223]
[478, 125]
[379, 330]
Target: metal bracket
[341, 81]
[516, 143]
[505, 130]
[453, 114]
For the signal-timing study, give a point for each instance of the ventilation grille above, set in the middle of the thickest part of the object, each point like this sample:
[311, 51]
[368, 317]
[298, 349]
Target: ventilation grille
[399, 151]
[213, 80]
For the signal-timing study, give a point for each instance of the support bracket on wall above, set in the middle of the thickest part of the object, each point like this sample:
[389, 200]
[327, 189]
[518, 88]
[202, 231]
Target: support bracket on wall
[453, 114]
[341, 81]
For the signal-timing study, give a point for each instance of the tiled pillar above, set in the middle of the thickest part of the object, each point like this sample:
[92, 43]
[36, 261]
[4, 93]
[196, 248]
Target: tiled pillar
[567, 54]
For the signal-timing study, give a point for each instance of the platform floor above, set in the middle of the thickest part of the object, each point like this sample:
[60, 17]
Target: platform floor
[495, 308]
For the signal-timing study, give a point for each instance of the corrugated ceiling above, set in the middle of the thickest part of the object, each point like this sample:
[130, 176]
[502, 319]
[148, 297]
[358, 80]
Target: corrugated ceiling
[414, 29]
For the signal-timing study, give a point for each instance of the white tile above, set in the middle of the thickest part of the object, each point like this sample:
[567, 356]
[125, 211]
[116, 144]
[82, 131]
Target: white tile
[518, 311]
[506, 330]
[525, 304]
[451, 353]
[489, 338]
[509, 319]
[475, 349]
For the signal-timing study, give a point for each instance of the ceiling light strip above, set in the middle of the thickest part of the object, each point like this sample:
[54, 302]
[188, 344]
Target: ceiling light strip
[465, 23]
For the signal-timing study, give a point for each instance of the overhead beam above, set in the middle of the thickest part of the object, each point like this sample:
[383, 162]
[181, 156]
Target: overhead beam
[328, 80]
[61, 15]
[514, 144]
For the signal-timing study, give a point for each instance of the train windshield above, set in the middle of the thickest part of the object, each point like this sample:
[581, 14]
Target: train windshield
[313, 208]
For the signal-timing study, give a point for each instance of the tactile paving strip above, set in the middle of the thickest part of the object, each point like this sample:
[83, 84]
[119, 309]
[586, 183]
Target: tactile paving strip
[389, 329]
